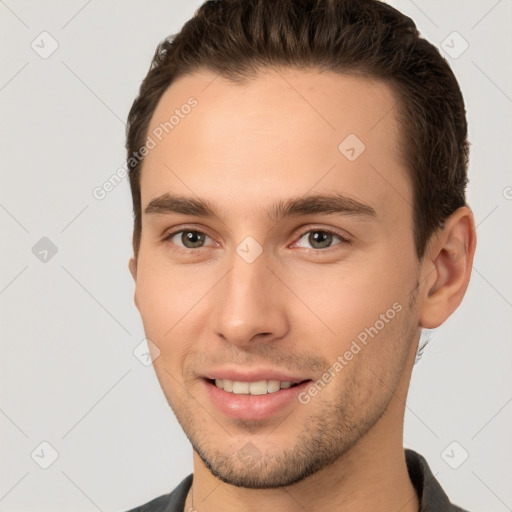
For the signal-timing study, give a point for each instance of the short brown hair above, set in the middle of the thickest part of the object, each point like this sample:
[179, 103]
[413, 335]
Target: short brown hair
[239, 38]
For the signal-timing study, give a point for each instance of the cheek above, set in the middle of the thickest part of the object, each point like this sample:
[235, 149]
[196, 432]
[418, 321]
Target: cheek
[367, 327]
[166, 292]
[167, 298]
[346, 299]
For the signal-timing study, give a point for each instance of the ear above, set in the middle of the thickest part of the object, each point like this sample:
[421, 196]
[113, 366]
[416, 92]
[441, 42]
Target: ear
[132, 265]
[446, 268]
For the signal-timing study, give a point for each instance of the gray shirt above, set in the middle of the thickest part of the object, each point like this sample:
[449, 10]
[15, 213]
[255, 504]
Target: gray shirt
[431, 496]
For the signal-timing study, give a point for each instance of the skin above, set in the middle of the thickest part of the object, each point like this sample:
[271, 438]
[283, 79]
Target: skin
[299, 305]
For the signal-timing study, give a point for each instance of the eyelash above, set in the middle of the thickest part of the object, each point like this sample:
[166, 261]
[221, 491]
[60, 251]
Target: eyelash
[343, 240]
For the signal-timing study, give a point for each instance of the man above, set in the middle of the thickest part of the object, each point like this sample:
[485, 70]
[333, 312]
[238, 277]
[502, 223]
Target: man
[298, 171]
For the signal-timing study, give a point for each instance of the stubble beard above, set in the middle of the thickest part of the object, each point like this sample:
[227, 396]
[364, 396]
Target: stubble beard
[326, 435]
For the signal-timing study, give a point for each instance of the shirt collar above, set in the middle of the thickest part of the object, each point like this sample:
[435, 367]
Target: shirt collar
[431, 496]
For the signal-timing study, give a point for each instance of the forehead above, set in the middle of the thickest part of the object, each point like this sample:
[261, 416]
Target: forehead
[283, 133]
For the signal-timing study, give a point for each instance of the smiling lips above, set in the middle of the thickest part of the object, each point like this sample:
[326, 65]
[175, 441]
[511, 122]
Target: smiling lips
[253, 395]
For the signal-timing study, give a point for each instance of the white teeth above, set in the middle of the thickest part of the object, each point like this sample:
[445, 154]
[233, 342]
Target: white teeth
[273, 386]
[260, 387]
[240, 388]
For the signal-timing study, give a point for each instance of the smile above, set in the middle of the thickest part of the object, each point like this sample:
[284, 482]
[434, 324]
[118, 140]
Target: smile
[260, 387]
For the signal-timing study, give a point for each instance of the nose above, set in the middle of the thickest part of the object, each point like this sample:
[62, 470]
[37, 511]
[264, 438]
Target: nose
[249, 304]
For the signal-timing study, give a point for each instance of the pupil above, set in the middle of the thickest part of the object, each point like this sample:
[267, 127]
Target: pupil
[320, 237]
[192, 239]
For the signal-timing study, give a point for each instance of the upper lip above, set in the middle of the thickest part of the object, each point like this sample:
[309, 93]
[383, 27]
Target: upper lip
[253, 375]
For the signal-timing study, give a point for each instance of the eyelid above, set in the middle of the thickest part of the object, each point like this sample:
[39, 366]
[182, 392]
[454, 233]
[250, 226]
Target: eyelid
[342, 235]
[168, 235]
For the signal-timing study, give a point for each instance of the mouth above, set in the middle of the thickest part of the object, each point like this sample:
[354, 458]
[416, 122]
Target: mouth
[256, 399]
[260, 387]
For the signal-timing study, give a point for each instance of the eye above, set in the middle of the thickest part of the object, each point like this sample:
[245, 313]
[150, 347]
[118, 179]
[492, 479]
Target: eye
[190, 239]
[187, 239]
[321, 238]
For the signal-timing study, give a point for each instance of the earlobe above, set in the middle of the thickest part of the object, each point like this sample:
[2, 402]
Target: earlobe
[450, 260]
[132, 265]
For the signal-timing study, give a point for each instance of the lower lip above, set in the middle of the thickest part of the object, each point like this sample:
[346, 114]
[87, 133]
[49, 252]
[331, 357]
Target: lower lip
[253, 407]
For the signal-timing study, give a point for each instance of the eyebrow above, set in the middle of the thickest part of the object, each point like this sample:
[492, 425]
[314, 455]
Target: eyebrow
[323, 204]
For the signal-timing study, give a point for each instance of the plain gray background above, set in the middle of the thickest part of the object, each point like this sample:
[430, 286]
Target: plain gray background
[68, 376]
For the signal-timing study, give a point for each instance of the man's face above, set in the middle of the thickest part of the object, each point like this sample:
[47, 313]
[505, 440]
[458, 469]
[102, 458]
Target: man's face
[249, 297]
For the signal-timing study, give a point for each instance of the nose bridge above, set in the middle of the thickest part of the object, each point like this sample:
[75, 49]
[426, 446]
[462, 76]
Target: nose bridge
[243, 307]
